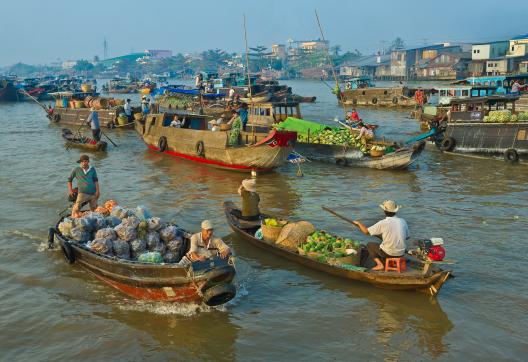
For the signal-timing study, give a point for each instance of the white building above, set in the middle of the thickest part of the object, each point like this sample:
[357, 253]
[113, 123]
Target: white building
[491, 50]
[518, 46]
[69, 64]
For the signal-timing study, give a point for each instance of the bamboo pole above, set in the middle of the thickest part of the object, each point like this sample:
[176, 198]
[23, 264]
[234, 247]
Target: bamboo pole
[249, 78]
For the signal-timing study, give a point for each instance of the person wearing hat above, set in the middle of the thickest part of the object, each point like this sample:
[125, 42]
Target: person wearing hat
[87, 185]
[393, 232]
[250, 200]
[93, 121]
[203, 242]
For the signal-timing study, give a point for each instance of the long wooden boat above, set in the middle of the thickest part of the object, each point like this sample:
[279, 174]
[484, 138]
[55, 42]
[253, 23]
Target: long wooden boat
[393, 97]
[80, 141]
[429, 280]
[8, 92]
[345, 156]
[208, 281]
[195, 142]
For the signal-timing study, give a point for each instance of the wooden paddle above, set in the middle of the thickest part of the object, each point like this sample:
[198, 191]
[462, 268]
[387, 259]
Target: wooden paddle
[339, 215]
[104, 134]
[34, 99]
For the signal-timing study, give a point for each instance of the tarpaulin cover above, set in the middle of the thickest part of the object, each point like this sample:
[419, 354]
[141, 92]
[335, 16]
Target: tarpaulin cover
[301, 126]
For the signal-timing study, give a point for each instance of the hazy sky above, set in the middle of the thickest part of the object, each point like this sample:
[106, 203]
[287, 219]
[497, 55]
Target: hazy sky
[40, 31]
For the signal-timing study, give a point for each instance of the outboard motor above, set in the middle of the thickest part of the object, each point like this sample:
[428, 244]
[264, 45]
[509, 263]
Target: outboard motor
[431, 249]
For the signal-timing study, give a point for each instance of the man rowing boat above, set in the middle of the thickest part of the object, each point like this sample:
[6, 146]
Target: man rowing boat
[393, 231]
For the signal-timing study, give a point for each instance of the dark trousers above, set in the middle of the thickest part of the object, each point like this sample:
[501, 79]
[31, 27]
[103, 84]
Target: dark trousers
[376, 252]
[238, 214]
[96, 133]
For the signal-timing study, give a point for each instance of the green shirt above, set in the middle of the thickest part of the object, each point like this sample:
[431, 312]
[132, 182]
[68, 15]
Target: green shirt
[85, 180]
[250, 203]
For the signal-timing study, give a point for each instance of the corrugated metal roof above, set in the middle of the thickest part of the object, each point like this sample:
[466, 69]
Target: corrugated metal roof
[369, 60]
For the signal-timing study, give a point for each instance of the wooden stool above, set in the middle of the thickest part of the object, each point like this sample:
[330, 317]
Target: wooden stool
[395, 264]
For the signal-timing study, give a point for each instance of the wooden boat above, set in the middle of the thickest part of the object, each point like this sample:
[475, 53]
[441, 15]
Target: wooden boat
[260, 97]
[428, 280]
[341, 155]
[79, 141]
[464, 130]
[8, 92]
[208, 281]
[195, 142]
[360, 92]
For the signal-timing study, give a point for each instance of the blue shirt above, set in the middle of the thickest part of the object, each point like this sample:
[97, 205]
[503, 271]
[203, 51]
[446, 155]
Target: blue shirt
[243, 113]
[93, 118]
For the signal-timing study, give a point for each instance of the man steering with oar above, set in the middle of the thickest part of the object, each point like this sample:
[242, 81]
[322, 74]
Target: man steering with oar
[393, 232]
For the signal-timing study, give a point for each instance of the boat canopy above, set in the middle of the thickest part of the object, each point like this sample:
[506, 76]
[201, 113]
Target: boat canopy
[301, 126]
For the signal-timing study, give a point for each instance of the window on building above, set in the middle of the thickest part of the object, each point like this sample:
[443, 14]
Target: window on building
[465, 93]
[513, 48]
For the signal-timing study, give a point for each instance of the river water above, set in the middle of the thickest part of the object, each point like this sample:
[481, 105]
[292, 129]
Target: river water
[52, 311]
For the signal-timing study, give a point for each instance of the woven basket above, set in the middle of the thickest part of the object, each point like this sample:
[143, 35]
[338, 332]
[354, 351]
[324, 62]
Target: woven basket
[225, 127]
[294, 234]
[271, 233]
[376, 153]
[350, 259]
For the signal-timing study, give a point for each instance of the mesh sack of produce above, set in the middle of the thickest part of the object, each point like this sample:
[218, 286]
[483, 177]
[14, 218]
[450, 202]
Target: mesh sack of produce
[85, 224]
[119, 212]
[142, 212]
[150, 257]
[101, 246]
[126, 232]
[175, 245]
[109, 205]
[159, 247]
[66, 226]
[102, 210]
[131, 221]
[121, 247]
[138, 246]
[153, 239]
[170, 257]
[113, 221]
[169, 233]
[80, 235]
[106, 233]
[97, 219]
[125, 255]
[154, 223]
[294, 234]
[142, 230]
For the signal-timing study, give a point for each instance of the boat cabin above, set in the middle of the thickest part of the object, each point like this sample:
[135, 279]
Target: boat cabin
[268, 113]
[358, 82]
[444, 95]
[502, 82]
[474, 109]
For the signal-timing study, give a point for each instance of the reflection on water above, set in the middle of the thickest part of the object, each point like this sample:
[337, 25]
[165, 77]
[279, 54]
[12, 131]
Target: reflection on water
[51, 310]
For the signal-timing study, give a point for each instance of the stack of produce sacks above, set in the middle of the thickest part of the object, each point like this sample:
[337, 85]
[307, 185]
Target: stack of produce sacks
[126, 234]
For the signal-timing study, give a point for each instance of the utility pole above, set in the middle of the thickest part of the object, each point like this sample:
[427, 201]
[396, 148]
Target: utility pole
[105, 49]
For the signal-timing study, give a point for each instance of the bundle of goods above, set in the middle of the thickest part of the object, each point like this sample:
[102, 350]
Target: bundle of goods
[338, 137]
[331, 249]
[130, 234]
[505, 116]
[377, 151]
[293, 234]
[271, 229]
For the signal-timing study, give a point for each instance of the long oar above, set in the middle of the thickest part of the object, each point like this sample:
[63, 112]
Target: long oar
[23, 91]
[104, 134]
[339, 215]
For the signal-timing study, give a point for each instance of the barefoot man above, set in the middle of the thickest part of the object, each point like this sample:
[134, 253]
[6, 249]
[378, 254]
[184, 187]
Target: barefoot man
[393, 232]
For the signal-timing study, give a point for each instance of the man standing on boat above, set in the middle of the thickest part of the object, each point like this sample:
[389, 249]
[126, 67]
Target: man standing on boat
[202, 243]
[250, 200]
[128, 110]
[87, 185]
[93, 121]
[393, 232]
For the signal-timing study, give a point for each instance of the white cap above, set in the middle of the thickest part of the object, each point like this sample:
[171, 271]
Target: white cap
[207, 225]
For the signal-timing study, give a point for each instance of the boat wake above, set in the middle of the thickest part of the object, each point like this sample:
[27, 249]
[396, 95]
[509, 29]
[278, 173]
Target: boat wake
[163, 308]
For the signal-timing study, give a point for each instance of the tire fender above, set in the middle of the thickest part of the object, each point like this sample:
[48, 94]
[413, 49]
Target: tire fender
[374, 100]
[219, 294]
[511, 155]
[200, 148]
[341, 161]
[67, 250]
[447, 144]
[51, 238]
[56, 117]
[162, 144]
[394, 100]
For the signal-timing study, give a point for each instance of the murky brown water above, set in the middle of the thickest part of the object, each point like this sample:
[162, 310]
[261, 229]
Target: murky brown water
[51, 311]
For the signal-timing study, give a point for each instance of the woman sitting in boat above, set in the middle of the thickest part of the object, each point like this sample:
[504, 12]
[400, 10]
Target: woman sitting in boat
[393, 232]
[202, 243]
[250, 200]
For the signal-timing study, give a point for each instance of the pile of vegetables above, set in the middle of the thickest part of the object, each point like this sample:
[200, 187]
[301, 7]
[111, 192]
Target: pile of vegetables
[275, 222]
[328, 245]
[505, 116]
[336, 137]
